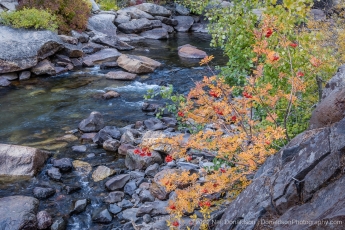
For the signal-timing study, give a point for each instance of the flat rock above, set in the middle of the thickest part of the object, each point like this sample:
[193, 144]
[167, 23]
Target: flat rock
[69, 39]
[114, 197]
[101, 173]
[153, 208]
[79, 148]
[4, 82]
[113, 42]
[191, 52]
[120, 75]
[18, 160]
[9, 76]
[154, 9]
[91, 47]
[137, 64]
[135, 26]
[103, 23]
[117, 182]
[105, 55]
[157, 33]
[64, 164]
[82, 37]
[122, 18]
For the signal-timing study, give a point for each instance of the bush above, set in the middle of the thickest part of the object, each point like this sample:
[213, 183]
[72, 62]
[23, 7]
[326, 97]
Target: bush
[71, 15]
[30, 18]
[108, 4]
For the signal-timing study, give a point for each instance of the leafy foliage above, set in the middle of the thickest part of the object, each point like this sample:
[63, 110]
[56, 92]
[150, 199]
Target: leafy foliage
[71, 15]
[29, 18]
[108, 4]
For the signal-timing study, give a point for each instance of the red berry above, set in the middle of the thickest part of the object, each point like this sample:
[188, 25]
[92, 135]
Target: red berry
[269, 32]
[180, 114]
[293, 45]
[168, 158]
[175, 224]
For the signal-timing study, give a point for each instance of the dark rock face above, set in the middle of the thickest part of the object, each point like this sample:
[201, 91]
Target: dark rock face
[18, 212]
[93, 123]
[301, 182]
[22, 49]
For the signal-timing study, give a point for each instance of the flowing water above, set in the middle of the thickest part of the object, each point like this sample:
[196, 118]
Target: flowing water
[38, 111]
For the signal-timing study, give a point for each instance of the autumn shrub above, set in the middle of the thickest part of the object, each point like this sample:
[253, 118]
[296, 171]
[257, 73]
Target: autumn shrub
[71, 15]
[29, 18]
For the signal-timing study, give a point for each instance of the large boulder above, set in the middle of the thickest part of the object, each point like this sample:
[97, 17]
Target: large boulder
[105, 55]
[137, 64]
[184, 23]
[9, 4]
[103, 23]
[93, 123]
[18, 160]
[157, 33]
[154, 9]
[135, 26]
[18, 212]
[22, 49]
[135, 13]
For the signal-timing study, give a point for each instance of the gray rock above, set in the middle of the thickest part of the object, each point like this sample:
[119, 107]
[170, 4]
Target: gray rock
[18, 160]
[114, 197]
[130, 214]
[102, 216]
[149, 107]
[146, 196]
[137, 64]
[64, 164]
[135, 161]
[59, 224]
[113, 42]
[18, 212]
[90, 48]
[136, 174]
[82, 37]
[199, 28]
[114, 209]
[44, 67]
[147, 218]
[156, 24]
[107, 65]
[106, 133]
[105, 55]
[182, 10]
[130, 188]
[167, 21]
[80, 206]
[318, 15]
[154, 124]
[77, 63]
[125, 204]
[72, 51]
[43, 193]
[124, 148]
[157, 33]
[111, 145]
[117, 182]
[168, 28]
[169, 121]
[135, 13]
[44, 220]
[120, 75]
[153, 208]
[22, 49]
[135, 26]
[93, 123]
[71, 188]
[152, 170]
[184, 23]
[79, 148]
[4, 82]
[122, 18]
[69, 39]
[128, 138]
[103, 23]
[9, 76]
[54, 174]
[101, 173]
[154, 9]
[95, 7]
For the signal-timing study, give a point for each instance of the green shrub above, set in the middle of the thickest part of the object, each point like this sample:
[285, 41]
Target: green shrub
[30, 18]
[71, 15]
[108, 4]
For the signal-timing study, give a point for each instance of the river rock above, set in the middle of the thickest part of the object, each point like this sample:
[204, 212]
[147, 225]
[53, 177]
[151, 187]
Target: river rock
[199, 28]
[9, 76]
[120, 75]
[154, 9]
[87, 137]
[114, 197]
[82, 167]
[23, 48]
[157, 33]
[44, 67]
[105, 55]
[90, 48]
[182, 10]
[168, 28]
[188, 51]
[64, 164]
[134, 13]
[101, 173]
[156, 24]
[18, 160]
[69, 39]
[103, 23]
[153, 208]
[80, 206]
[108, 132]
[152, 170]
[117, 182]
[135, 26]
[111, 145]
[82, 37]
[135, 161]
[44, 220]
[102, 216]
[130, 188]
[114, 209]
[113, 42]
[167, 21]
[184, 23]
[93, 123]
[122, 18]
[128, 138]
[154, 124]
[54, 173]
[107, 65]
[146, 196]
[59, 224]
[123, 148]
[71, 188]
[110, 94]
[43, 193]
[72, 51]
[130, 214]
[79, 148]
[137, 64]
[4, 82]
[125, 204]
[18, 212]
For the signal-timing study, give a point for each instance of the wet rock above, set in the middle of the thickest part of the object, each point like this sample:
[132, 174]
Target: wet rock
[90, 48]
[188, 51]
[135, 26]
[44, 67]
[80, 206]
[110, 94]
[43, 193]
[184, 23]
[59, 224]
[153, 208]
[152, 170]
[122, 18]
[130, 188]
[18, 160]
[125, 204]
[44, 220]
[71, 188]
[103, 23]
[22, 48]
[54, 174]
[4, 82]
[168, 28]
[157, 33]
[167, 21]
[151, 138]
[18, 212]
[130, 214]
[181, 10]
[147, 218]
[137, 64]
[114, 197]
[154, 9]
[199, 28]
[117, 182]
[60, 70]
[82, 37]
[82, 167]
[113, 42]
[148, 107]
[105, 55]
[108, 132]
[102, 216]
[124, 148]
[120, 75]
[128, 138]
[107, 65]
[64, 164]
[9, 76]
[101, 173]
[111, 145]
[146, 196]
[114, 209]
[136, 174]
[69, 39]
[79, 148]
[135, 161]
[93, 123]
[87, 137]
